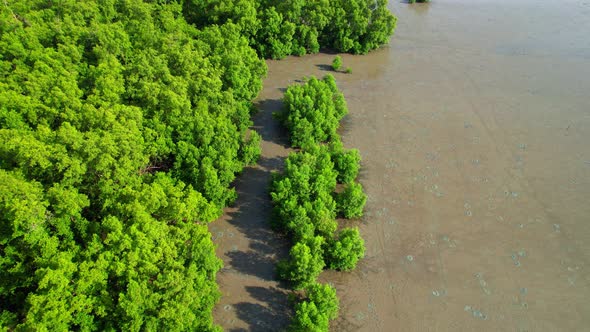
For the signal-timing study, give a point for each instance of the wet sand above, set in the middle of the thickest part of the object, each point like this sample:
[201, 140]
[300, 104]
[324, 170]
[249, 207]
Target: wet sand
[474, 128]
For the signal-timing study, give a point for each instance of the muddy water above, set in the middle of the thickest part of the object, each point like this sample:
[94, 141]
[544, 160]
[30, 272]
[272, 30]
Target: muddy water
[474, 128]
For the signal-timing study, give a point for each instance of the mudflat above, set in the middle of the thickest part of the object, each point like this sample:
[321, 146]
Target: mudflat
[474, 128]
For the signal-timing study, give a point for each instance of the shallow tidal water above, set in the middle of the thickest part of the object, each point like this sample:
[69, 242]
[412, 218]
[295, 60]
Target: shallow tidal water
[474, 128]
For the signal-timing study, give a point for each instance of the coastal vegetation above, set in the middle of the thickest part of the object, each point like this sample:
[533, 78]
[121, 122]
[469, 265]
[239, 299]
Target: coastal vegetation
[123, 126]
[277, 28]
[336, 63]
[307, 200]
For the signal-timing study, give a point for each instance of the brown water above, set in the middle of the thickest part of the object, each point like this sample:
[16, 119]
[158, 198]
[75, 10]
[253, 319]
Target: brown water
[474, 127]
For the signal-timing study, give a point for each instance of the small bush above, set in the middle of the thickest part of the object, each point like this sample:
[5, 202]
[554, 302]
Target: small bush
[348, 70]
[305, 263]
[344, 252]
[351, 201]
[316, 311]
[337, 63]
[312, 111]
[346, 162]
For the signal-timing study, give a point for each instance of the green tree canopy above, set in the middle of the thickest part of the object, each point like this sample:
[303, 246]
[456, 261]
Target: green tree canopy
[312, 111]
[122, 128]
[315, 312]
[344, 252]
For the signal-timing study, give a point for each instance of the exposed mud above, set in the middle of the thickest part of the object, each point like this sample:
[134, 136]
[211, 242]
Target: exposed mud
[474, 128]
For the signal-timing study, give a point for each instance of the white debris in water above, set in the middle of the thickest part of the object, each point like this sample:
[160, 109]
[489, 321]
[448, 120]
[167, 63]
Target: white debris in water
[410, 258]
[475, 313]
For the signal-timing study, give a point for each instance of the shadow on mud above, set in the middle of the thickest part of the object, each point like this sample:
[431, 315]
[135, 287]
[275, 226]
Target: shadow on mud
[252, 217]
[269, 128]
[324, 67]
[273, 316]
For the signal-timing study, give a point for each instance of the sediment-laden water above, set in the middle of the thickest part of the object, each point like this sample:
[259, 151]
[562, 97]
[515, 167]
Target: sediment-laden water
[474, 128]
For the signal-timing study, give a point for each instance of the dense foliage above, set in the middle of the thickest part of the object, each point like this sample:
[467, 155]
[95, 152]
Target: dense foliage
[123, 124]
[344, 252]
[317, 309]
[122, 128]
[313, 111]
[306, 200]
[277, 28]
[336, 63]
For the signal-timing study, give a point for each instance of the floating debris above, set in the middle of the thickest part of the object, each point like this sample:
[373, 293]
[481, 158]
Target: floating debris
[468, 213]
[522, 253]
[234, 248]
[522, 146]
[410, 258]
[227, 307]
[360, 315]
[230, 234]
[515, 259]
[556, 228]
[524, 291]
[475, 313]
[435, 293]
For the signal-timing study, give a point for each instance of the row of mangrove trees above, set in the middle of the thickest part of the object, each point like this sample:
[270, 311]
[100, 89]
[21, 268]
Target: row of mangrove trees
[317, 186]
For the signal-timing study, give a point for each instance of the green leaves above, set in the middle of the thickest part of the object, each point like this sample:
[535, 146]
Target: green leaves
[312, 111]
[122, 128]
[278, 28]
[305, 262]
[344, 252]
[337, 63]
[351, 201]
[315, 312]
[306, 199]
